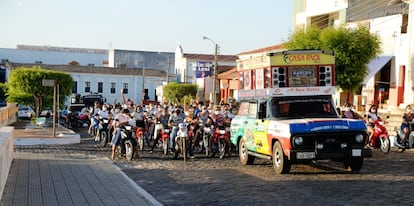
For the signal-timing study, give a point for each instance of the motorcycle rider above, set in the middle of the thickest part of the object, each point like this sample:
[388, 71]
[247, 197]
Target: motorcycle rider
[92, 116]
[176, 118]
[220, 122]
[120, 120]
[202, 117]
[370, 117]
[138, 115]
[406, 124]
[163, 119]
[102, 114]
[349, 113]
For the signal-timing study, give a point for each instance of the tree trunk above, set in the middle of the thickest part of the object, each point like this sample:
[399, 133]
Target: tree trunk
[38, 104]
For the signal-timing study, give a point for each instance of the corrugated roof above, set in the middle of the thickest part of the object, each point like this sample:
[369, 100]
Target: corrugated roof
[210, 57]
[91, 69]
[229, 74]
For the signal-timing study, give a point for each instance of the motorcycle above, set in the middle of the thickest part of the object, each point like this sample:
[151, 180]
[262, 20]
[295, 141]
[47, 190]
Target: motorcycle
[203, 142]
[75, 122]
[103, 132]
[165, 138]
[140, 136]
[380, 139]
[218, 143]
[181, 141]
[127, 144]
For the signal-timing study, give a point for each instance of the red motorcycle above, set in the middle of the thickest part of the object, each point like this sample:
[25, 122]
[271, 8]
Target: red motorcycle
[380, 139]
[219, 141]
[165, 138]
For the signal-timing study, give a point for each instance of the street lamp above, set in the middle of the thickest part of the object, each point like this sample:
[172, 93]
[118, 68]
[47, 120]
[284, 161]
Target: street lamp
[214, 69]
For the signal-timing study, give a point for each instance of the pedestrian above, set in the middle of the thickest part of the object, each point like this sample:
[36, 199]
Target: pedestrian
[349, 112]
[405, 127]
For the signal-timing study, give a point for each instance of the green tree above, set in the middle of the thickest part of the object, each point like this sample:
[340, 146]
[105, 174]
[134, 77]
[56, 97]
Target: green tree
[25, 87]
[176, 92]
[353, 48]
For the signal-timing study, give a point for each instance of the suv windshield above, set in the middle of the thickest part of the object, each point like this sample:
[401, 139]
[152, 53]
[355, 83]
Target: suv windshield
[303, 107]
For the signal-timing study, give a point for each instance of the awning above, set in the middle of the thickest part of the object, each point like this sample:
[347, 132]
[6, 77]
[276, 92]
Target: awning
[375, 65]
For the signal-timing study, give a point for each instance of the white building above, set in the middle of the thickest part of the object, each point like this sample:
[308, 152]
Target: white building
[389, 79]
[109, 82]
[99, 71]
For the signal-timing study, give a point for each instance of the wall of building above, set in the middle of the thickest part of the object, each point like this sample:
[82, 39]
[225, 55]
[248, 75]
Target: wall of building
[107, 75]
[52, 57]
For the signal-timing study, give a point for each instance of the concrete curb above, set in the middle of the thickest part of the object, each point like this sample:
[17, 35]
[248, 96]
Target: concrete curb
[143, 192]
[61, 138]
[6, 155]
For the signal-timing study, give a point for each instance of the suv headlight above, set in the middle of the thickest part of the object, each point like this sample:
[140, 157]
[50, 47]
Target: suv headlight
[298, 140]
[359, 138]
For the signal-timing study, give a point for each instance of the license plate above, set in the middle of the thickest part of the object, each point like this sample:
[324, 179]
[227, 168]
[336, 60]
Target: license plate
[305, 155]
[356, 152]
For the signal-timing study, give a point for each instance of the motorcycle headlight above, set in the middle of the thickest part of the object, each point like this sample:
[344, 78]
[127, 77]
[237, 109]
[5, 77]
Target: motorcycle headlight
[298, 140]
[359, 138]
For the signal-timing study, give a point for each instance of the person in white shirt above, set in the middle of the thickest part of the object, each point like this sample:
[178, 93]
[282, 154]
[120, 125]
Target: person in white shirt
[120, 120]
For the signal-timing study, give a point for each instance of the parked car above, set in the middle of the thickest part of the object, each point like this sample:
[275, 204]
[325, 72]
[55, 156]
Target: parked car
[46, 113]
[25, 112]
[2, 103]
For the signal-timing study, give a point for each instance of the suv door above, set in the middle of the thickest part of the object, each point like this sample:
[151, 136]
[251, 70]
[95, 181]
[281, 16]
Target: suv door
[260, 129]
[250, 126]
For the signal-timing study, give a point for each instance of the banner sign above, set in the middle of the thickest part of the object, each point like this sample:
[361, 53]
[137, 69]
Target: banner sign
[203, 69]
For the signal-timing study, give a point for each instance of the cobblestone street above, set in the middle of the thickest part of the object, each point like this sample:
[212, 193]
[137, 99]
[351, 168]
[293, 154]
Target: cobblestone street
[385, 179]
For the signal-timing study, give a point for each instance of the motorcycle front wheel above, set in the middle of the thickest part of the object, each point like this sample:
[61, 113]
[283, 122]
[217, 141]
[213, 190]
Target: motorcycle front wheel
[129, 150]
[385, 145]
[165, 146]
[184, 148]
[206, 143]
[104, 138]
[141, 142]
[222, 148]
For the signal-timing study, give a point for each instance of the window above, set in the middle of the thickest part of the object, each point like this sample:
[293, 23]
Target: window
[75, 87]
[125, 88]
[262, 110]
[267, 78]
[252, 110]
[87, 86]
[241, 80]
[243, 109]
[247, 80]
[303, 107]
[113, 87]
[100, 87]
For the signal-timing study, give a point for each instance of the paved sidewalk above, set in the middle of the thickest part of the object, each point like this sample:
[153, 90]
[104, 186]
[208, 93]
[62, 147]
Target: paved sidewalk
[40, 177]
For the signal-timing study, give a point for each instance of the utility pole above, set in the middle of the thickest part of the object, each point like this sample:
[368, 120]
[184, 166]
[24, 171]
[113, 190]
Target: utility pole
[215, 81]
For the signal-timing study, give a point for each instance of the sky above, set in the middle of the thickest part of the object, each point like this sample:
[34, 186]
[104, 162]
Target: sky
[147, 25]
